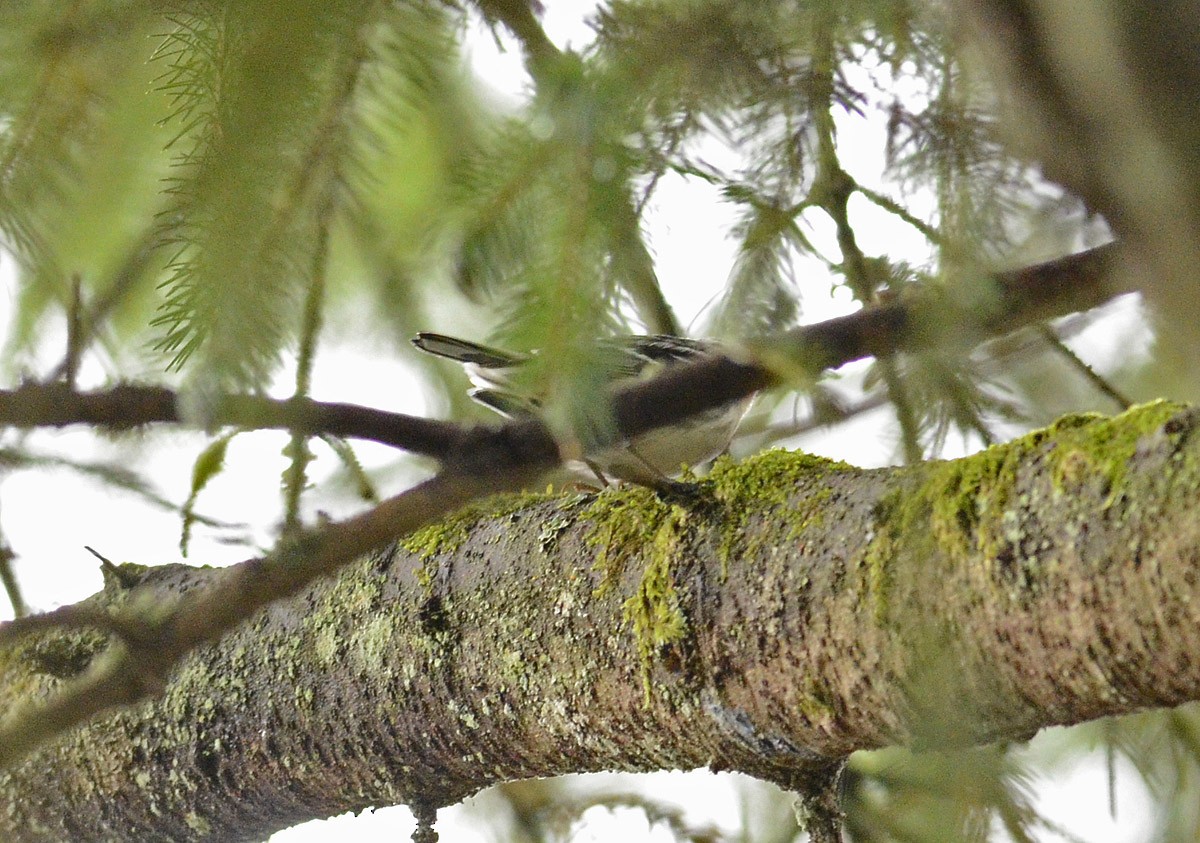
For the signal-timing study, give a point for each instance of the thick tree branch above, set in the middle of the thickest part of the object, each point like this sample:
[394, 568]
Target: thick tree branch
[477, 455]
[803, 610]
[479, 462]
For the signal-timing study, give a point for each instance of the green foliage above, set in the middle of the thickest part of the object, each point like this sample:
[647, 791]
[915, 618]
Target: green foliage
[79, 154]
[761, 293]
[1164, 749]
[899, 795]
[259, 93]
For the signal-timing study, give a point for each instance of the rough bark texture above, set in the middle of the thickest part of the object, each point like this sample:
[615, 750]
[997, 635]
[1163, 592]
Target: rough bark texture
[794, 611]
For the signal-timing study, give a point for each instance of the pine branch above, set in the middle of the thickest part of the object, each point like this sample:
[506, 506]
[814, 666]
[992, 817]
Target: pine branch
[265, 97]
[550, 69]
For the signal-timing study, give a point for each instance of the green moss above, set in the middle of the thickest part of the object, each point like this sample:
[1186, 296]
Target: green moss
[964, 507]
[653, 610]
[971, 496]
[448, 535]
[769, 480]
[620, 520]
[768, 477]
[1105, 445]
[638, 524]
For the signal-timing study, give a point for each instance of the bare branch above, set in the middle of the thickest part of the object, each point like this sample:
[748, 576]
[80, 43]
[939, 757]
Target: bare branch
[127, 406]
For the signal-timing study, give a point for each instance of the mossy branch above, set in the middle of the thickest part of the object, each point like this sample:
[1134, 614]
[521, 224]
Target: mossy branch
[798, 610]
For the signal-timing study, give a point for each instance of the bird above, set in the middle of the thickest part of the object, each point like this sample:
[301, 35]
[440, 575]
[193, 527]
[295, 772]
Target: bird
[650, 459]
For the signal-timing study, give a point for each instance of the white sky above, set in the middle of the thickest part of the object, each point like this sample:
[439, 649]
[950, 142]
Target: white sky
[49, 515]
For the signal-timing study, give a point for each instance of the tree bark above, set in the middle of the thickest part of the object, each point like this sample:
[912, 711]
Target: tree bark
[793, 611]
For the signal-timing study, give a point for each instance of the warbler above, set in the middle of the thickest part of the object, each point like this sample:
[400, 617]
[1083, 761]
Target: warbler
[648, 459]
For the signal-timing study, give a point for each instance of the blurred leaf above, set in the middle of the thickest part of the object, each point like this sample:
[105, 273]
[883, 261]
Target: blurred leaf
[897, 795]
[209, 463]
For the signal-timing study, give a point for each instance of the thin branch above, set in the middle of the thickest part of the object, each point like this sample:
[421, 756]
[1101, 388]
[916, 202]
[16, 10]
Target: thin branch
[922, 321]
[121, 284]
[128, 406]
[8, 577]
[75, 339]
[1089, 374]
[296, 475]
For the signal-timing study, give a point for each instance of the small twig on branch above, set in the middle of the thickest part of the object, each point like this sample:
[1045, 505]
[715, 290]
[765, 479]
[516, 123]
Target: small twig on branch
[1101, 383]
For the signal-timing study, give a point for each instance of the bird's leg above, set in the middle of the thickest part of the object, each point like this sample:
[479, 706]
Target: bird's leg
[671, 491]
[604, 484]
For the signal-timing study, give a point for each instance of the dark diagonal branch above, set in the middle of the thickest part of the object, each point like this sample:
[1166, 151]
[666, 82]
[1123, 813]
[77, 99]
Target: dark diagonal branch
[1016, 298]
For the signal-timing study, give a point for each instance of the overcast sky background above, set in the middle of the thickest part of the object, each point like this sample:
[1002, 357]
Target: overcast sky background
[49, 515]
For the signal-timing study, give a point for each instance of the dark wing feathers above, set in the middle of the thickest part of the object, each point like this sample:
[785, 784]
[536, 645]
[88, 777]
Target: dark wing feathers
[504, 403]
[467, 352]
[627, 357]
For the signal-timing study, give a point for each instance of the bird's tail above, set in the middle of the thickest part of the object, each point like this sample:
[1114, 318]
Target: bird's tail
[467, 352]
